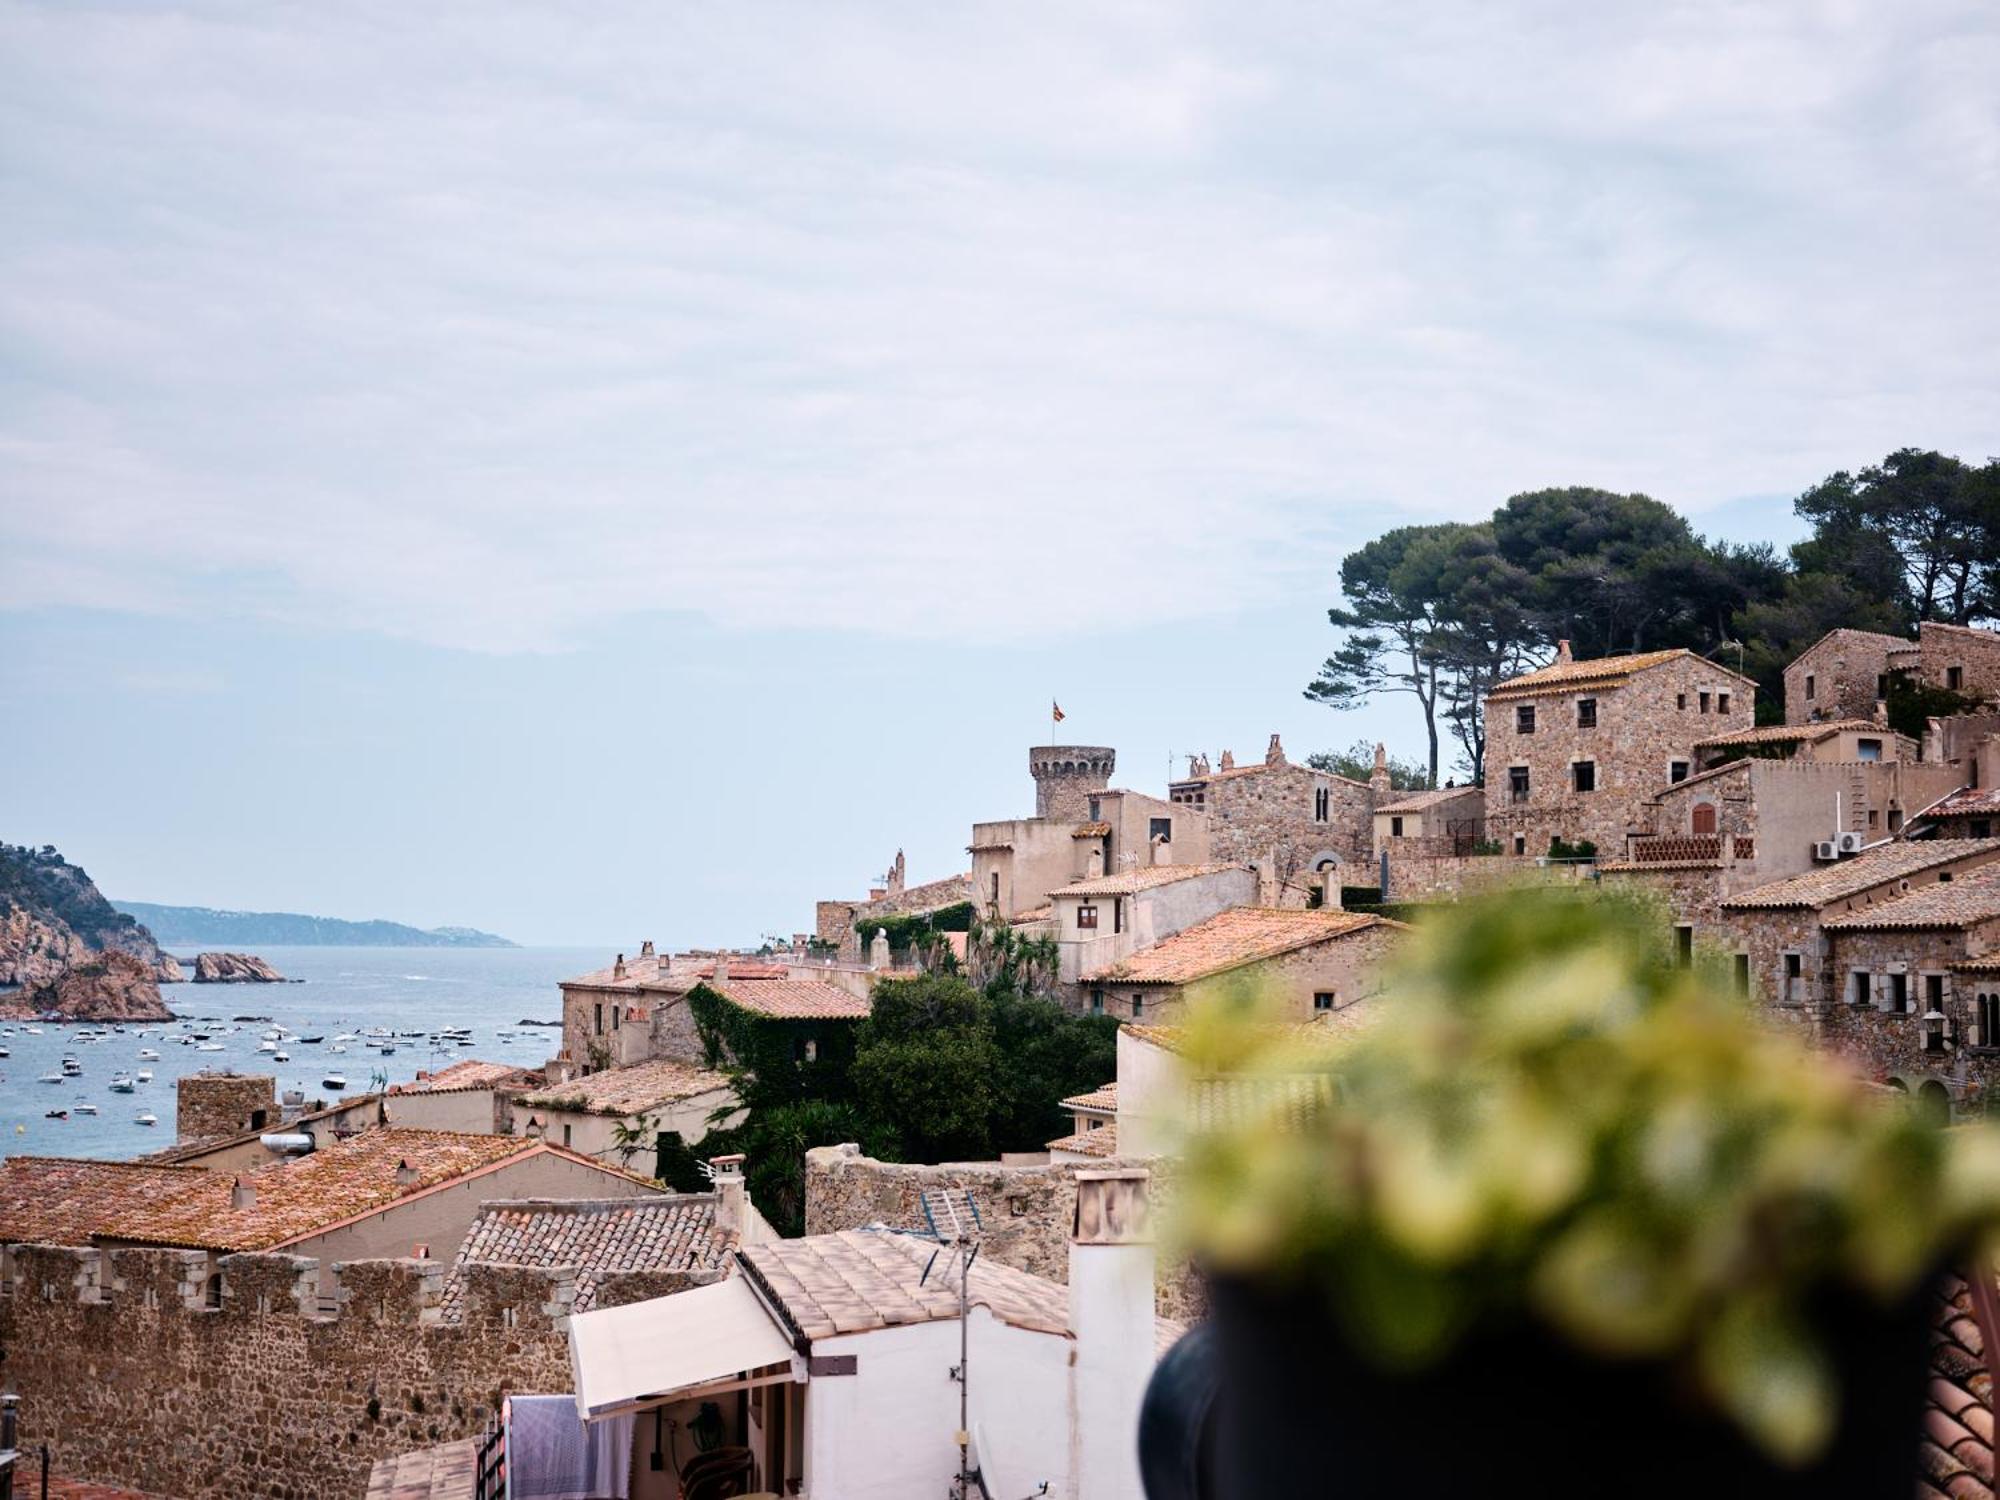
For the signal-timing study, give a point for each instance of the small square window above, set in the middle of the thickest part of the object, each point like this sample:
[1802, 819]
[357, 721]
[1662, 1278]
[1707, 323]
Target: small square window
[1086, 916]
[1954, 678]
[1586, 713]
[1722, 703]
[1517, 783]
[1812, 687]
[1322, 1000]
[1161, 829]
[1677, 770]
[1584, 774]
[1395, 827]
[1524, 718]
[1703, 699]
[1680, 700]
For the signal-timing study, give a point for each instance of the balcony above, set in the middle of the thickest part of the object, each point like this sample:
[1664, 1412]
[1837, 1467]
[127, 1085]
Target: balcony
[1676, 848]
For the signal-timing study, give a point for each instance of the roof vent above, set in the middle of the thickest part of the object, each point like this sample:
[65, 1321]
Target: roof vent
[406, 1174]
[242, 1193]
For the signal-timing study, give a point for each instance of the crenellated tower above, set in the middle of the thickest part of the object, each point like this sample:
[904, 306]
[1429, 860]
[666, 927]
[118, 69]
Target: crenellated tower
[1066, 775]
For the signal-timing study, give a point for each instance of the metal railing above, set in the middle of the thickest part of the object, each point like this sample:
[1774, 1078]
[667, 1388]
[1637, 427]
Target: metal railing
[489, 1470]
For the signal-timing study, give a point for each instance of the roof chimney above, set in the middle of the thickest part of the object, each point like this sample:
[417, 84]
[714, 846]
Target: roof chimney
[242, 1193]
[646, 949]
[721, 969]
[1228, 760]
[1378, 779]
[728, 1173]
[1111, 1314]
[618, 967]
[1562, 651]
[1881, 711]
[1274, 753]
[406, 1175]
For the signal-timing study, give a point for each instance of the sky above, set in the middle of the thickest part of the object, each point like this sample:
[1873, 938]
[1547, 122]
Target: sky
[597, 473]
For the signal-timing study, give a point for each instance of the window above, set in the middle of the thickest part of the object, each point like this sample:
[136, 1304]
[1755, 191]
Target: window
[214, 1296]
[1117, 913]
[1895, 819]
[1989, 1020]
[1701, 820]
[1520, 843]
[1322, 1000]
[614, 1017]
[1882, 684]
[812, 1049]
[1703, 696]
[1933, 992]
[1586, 713]
[1524, 719]
[599, 1009]
[1677, 770]
[1742, 974]
[1812, 687]
[1864, 987]
[1161, 829]
[1899, 993]
[1321, 800]
[1095, 815]
[1138, 1006]
[1979, 828]
[1517, 783]
[1868, 749]
[257, 1118]
[1395, 827]
[1722, 703]
[1086, 916]
[565, 1135]
[1874, 818]
[1097, 1002]
[1954, 678]
[1794, 965]
[1684, 945]
[1944, 877]
[1934, 1035]
[1681, 701]
[995, 898]
[1584, 775]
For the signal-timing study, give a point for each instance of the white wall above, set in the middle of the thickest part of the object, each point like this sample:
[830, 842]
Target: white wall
[886, 1432]
[1152, 1097]
[471, 1111]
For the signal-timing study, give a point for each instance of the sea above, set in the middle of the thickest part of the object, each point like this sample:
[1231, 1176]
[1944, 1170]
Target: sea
[486, 991]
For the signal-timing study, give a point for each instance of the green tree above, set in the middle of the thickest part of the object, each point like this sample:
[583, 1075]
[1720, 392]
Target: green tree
[1357, 763]
[1937, 517]
[926, 1068]
[1049, 1055]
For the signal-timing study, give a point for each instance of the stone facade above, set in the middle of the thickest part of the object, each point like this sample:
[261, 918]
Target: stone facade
[135, 1373]
[1444, 877]
[211, 1106]
[1291, 817]
[1845, 672]
[1066, 775]
[1026, 1212]
[1578, 750]
[1880, 1021]
[1346, 967]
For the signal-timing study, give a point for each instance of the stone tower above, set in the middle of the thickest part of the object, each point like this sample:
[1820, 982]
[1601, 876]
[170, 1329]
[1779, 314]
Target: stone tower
[1066, 775]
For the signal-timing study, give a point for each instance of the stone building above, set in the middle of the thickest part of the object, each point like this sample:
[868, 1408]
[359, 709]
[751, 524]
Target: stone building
[1576, 750]
[1303, 965]
[1846, 672]
[635, 1010]
[663, 1096]
[1100, 921]
[843, 925]
[211, 1106]
[1839, 740]
[1450, 821]
[1093, 1134]
[1298, 820]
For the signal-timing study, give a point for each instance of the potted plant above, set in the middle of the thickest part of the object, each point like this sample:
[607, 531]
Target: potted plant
[1567, 1219]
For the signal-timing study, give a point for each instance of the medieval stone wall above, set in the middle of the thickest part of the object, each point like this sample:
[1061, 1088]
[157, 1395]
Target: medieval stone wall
[211, 1105]
[1253, 814]
[1847, 668]
[133, 1374]
[1974, 655]
[1418, 877]
[1642, 727]
[1026, 1212]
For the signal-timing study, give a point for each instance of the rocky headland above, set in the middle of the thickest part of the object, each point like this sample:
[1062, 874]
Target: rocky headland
[53, 918]
[234, 968]
[104, 987]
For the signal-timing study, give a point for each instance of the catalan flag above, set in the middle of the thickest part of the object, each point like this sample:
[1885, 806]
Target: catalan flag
[1056, 709]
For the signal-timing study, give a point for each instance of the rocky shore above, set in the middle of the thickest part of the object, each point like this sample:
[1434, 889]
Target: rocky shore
[107, 987]
[234, 968]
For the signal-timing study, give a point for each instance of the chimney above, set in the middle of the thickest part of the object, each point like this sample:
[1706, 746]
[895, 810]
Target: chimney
[1274, 753]
[1228, 760]
[646, 949]
[1111, 1314]
[877, 892]
[242, 1193]
[1094, 865]
[721, 969]
[618, 967]
[1329, 885]
[1161, 854]
[1378, 779]
[897, 874]
[406, 1175]
[1267, 878]
[1562, 651]
[728, 1172]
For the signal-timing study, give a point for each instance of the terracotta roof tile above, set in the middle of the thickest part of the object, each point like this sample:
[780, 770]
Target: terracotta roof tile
[1145, 878]
[1956, 1454]
[470, 1074]
[1964, 901]
[1966, 802]
[1104, 1098]
[794, 999]
[598, 1237]
[1231, 939]
[296, 1199]
[1850, 877]
[1602, 671]
[1103, 1141]
[672, 973]
[449, 1472]
[1091, 831]
[1779, 734]
[627, 1091]
[56, 1200]
[1412, 802]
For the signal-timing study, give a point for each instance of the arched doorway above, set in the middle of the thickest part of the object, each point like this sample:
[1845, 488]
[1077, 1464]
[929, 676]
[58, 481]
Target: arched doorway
[1934, 1103]
[1704, 818]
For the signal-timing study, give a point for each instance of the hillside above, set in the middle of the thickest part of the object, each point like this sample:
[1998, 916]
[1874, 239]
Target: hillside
[206, 926]
[53, 918]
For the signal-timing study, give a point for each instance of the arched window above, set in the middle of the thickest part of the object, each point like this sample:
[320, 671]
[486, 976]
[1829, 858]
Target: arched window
[1704, 817]
[1934, 1103]
[1989, 1020]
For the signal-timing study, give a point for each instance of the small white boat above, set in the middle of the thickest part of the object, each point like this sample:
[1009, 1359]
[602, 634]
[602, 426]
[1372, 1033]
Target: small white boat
[144, 1075]
[147, 1054]
[340, 1046]
[281, 1057]
[72, 1068]
[147, 1117]
[86, 1109]
[208, 1046]
[267, 1046]
[333, 1081]
[32, 1030]
[122, 1084]
[51, 1078]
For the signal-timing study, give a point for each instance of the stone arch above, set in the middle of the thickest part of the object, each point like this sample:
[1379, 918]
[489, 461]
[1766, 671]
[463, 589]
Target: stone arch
[1934, 1103]
[1897, 1084]
[1702, 819]
[1326, 859]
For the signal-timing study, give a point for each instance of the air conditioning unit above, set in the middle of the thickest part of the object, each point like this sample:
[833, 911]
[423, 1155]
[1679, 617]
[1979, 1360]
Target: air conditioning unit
[1825, 850]
[1848, 843]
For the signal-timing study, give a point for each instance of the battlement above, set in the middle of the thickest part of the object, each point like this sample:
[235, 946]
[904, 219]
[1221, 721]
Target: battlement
[1066, 775]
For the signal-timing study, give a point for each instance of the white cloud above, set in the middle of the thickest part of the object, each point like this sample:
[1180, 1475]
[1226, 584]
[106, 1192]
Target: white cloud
[486, 326]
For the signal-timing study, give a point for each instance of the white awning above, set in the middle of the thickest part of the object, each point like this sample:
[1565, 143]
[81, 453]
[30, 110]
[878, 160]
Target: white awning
[622, 1357]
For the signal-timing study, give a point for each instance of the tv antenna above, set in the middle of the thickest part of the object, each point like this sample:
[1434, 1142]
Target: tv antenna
[953, 1218]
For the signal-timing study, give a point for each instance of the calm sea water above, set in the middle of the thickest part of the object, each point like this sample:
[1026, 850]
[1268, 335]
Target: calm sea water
[488, 990]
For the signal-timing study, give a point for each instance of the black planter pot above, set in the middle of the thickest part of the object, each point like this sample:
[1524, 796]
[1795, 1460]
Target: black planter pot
[1269, 1400]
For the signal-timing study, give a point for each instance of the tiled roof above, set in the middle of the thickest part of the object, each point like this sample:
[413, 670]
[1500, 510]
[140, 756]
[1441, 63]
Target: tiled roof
[627, 1091]
[1955, 1454]
[1873, 637]
[450, 1472]
[1103, 1141]
[1328, 1031]
[1602, 671]
[793, 999]
[296, 1199]
[1231, 939]
[1850, 877]
[1963, 901]
[1780, 734]
[1091, 831]
[1977, 965]
[1966, 802]
[1423, 801]
[1041, 913]
[599, 1237]
[1257, 767]
[1642, 866]
[1144, 878]
[1104, 1098]
[470, 1074]
[57, 1200]
[665, 972]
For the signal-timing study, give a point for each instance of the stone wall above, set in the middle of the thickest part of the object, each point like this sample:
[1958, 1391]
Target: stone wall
[1974, 655]
[208, 1106]
[1420, 877]
[1258, 811]
[132, 1377]
[1847, 668]
[1643, 725]
[1026, 1212]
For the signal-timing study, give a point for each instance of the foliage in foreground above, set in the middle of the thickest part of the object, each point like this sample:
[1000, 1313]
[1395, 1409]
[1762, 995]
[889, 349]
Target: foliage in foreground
[1554, 1124]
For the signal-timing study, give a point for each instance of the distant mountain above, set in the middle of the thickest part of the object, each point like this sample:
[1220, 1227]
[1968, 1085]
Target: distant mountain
[191, 926]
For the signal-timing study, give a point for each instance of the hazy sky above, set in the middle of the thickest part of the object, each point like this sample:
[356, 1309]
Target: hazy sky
[615, 471]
